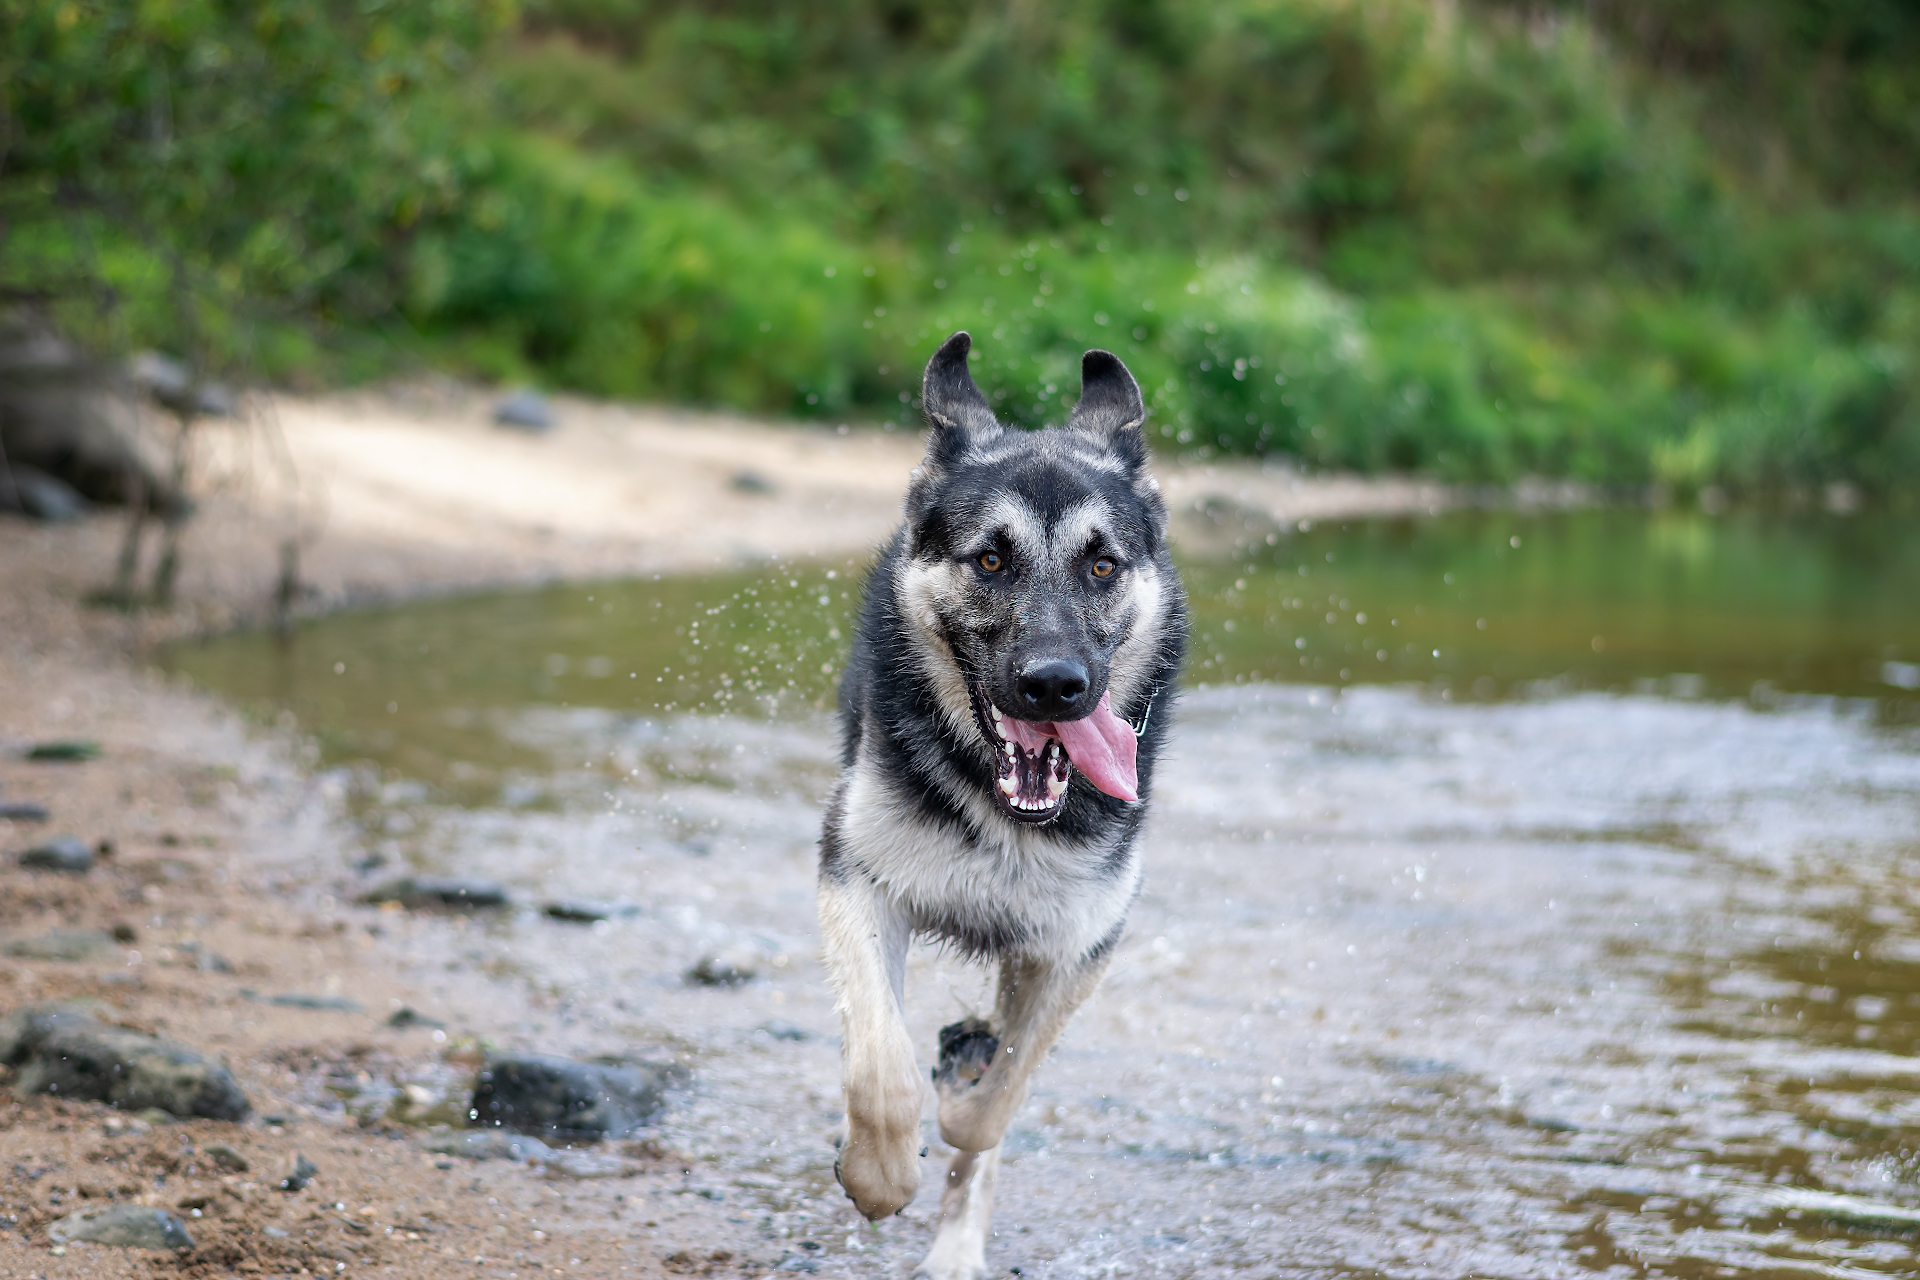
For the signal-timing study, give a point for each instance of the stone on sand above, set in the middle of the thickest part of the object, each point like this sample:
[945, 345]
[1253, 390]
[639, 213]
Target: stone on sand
[62, 853]
[446, 893]
[129, 1226]
[726, 969]
[61, 944]
[533, 1093]
[488, 1144]
[526, 409]
[62, 1049]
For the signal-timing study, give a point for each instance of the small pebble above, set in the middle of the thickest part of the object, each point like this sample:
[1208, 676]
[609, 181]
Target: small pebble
[779, 1030]
[745, 481]
[586, 912]
[65, 751]
[61, 944]
[330, 1004]
[728, 969]
[227, 1158]
[443, 892]
[62, 853]
[128, 1226]
[488, 1144]
[302, 1172]
[526, 409]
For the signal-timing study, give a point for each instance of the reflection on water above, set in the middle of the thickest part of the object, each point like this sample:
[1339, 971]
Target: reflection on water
[1484, 604]
[1428, 979]
[1471, 606]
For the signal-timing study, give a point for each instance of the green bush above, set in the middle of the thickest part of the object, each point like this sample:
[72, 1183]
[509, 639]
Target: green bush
[1620, 241]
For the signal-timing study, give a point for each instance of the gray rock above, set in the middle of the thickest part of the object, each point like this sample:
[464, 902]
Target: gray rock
[23, 811]
[29, 491]
[171, 385]
[299, 1173]
[129, 1226]
[446, 893]
[746, 481]
[330, 1004]
[75, 417]
[62, 853]
[587, 1165]
[488, 1144]
[727, 969]
[778, 1030]
[64, 751]
[372, 1104]
[532, 1093]
[225, 1157]
[578, 912]
[525, 409]
[62, 1049]
[62, 944]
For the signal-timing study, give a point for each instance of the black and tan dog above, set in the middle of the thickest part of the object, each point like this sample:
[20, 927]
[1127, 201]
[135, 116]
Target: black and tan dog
[1006, 697]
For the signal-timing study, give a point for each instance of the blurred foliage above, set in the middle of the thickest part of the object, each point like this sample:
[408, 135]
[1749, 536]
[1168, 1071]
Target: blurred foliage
[1627, 242]
[1800, 91]
[169, 163]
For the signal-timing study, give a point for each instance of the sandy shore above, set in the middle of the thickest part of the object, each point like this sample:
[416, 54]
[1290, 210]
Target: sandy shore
[394, 494]
[221, 842]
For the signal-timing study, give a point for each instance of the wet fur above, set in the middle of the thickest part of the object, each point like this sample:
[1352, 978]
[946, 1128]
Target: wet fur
[916, 841]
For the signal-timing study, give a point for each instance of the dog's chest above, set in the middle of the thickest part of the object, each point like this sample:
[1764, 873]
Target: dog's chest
[1023, 890]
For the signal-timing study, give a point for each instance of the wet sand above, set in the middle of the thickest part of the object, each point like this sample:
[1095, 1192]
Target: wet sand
[225, 842]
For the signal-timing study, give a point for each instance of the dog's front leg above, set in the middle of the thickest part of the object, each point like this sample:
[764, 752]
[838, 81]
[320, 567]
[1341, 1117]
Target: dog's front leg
[866, 951]
[983, 1073]
[966, 1208]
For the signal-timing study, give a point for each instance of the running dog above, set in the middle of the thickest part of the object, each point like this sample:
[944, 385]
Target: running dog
[1006, 698]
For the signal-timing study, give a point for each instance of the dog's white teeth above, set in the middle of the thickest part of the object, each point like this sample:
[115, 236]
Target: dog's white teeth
[1056, 787]
[1010, 751]
[1010, 785]
[996, 713]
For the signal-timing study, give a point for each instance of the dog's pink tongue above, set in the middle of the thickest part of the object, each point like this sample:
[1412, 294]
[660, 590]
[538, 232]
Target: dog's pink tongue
[1102, 746]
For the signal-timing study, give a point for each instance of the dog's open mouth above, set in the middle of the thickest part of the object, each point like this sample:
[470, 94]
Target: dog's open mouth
[1037, 758]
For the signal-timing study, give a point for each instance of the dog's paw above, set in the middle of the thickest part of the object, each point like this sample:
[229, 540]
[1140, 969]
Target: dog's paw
[880, 1183]
[879, 1162]
[974, 1100]
[967, 1049]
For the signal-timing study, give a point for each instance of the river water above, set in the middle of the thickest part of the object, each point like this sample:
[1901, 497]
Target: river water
[1526, 896]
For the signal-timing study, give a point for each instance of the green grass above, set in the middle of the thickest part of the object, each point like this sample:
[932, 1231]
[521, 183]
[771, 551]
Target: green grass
[574, 270]
[1628, 243]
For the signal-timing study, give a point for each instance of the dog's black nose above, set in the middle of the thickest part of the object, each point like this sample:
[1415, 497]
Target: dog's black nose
[1051, 689]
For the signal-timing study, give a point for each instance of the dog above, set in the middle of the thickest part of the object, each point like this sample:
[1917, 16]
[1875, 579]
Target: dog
[1007, 695]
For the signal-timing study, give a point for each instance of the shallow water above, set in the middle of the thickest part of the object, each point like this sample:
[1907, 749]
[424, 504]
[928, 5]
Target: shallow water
[1535, 958]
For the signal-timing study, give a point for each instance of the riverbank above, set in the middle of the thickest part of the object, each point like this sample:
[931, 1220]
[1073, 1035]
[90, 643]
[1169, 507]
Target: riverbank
[408, 491]
[220, 906]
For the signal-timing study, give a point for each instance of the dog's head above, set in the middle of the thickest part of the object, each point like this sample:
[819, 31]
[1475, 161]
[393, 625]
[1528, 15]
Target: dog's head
[1039, 580]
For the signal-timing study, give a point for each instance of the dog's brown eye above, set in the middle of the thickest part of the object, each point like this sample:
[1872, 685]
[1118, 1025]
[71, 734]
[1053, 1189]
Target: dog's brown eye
[1104, 567]
[991, 561]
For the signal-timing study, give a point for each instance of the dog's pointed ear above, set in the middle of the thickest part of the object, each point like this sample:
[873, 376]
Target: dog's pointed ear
[1111, 407]
[960, 415]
